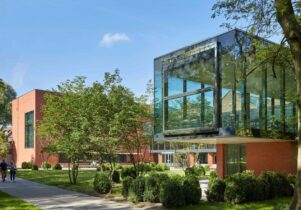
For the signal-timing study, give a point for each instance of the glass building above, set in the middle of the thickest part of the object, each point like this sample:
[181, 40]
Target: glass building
[219, 88]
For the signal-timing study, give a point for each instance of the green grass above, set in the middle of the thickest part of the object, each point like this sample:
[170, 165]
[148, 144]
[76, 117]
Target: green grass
[8, 202]
[276, 204]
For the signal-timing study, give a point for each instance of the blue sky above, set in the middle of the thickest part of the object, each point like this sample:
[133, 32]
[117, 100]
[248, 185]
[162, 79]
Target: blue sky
[44, 42]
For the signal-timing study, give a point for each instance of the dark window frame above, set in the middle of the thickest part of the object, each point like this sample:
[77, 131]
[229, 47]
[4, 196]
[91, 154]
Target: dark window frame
[29, 130]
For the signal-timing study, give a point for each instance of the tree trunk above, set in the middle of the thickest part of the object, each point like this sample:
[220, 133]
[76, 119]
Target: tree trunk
[292, 31]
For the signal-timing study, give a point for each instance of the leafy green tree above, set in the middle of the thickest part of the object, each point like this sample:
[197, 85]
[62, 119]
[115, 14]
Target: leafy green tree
[64, 122]
[7, 94]
[266, 18]
[4, 146]
[130, 123]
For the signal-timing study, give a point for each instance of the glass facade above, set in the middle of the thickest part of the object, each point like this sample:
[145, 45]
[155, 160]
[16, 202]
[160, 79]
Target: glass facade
[29, 129]
[218, 85]
[235, 158]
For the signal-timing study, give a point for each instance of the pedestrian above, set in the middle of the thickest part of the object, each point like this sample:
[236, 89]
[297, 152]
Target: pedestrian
[12, 171]
[3, 167]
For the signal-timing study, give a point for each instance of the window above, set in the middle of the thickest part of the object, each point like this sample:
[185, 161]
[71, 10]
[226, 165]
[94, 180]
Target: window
[235, 158]
[189, 94]
[29, 129]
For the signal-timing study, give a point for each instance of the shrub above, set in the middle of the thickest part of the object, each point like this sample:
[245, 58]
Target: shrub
[137, 189]
[29, 165]
[57, 166]
[128, 171]
[242, 187]
[216, 189]
[152, 188]
[102, 183]
[207, 168]
[46, 165]
[161, 167]
[24, 165]
[275, 184]
[116, 176]
[34, 167]
[191, 190]
[195, 171]
[126, 183]
[144, 167]
[172, 193]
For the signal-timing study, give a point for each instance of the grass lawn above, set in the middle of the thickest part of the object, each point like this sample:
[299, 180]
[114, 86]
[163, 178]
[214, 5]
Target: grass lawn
[8, 202]
[276, 204]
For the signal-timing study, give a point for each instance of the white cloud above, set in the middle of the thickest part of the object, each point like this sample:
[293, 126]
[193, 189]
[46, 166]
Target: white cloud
[109, 39]
[18, 75]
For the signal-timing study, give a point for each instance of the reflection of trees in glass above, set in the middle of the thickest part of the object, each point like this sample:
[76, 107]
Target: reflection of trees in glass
[189, 114]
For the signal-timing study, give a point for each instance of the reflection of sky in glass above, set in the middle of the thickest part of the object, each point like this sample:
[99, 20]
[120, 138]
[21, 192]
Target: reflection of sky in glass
[175, 85]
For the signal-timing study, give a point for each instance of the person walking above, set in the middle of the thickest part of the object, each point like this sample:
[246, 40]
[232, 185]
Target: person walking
[12, 171]
[3, 167]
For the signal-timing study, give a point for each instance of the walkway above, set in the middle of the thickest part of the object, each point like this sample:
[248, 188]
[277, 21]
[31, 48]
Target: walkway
[49, 197]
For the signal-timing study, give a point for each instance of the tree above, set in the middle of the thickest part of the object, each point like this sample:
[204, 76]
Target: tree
[130, 123]
[266, 18]
[64, 122]
[4, 146]
[7, 94]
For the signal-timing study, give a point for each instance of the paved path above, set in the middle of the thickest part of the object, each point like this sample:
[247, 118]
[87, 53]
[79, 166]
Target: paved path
[49, 197]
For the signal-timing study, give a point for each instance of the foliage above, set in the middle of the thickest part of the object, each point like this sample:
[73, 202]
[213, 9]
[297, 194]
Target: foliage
[274, 185]
[46, 165]
[172, 194]
[152, 188]
[4, 145]
[161, 167]
[216, 188]
[57, 166]
[7, 94]
[126, 184]
[102, 183]
[137, 189]
[128, 171]
[116, 176]
[34, 167]
[26, 165]
[198, 171]
[191, 190]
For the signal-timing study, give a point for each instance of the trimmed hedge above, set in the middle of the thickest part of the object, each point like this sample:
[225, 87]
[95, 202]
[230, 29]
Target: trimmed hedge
[198, 171]
[26, 165]
[46, 165]
[57, 166]
[191, 190]
[152, 188]
[137, 189]
[102, 183]
[128, 171]
[126, 184]
[172, 194]
[216, 189]
[34, 167]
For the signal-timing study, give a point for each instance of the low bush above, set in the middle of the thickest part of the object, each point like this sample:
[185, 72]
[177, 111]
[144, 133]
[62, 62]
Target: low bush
[34, 167]
[24, 165]
[46, 165]
[198, 171]
[144, 167]
[126, 184]
[207, 168]
[172, 194]
[57, 166]
[128, 171]
[102, 183]
[274, 185]
[116, 176]
[191, 190]
[161, 167]
[137, 189]
[152, 188]
[242, 187]
[29, 165]
[216, 189]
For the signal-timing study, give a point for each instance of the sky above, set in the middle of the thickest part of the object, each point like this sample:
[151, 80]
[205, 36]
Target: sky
[44, 43]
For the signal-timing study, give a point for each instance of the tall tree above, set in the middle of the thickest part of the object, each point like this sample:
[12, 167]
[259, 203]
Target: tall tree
[266, 18]
[64, 122]
[7, 94]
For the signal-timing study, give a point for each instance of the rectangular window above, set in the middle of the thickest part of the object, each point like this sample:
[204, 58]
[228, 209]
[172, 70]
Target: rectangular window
[29, 129]
[235, 158]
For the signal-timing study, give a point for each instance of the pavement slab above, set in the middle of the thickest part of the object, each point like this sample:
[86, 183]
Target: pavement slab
[50, 197]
